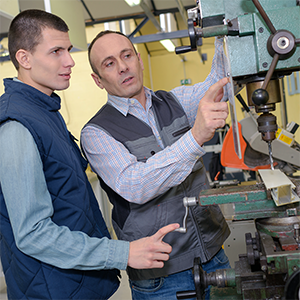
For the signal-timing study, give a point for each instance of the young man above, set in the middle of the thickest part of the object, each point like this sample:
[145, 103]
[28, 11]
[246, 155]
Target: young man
[54, 242]
[146, 148]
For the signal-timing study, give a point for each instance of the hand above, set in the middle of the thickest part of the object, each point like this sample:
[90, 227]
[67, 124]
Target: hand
[211, 113]
[150, 252]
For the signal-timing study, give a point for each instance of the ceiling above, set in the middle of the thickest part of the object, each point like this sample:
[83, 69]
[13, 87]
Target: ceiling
[101, 11]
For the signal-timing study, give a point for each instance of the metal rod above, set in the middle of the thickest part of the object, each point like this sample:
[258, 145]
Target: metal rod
[271, 155]
[150, 15]
[264, 15]
[284, 117]
[182, 11]
[144, 21]
[87, 10]
[270, 71]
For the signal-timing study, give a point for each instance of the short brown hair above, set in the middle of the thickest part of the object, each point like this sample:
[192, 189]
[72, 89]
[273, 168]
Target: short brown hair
[25, 30]
[98, 36]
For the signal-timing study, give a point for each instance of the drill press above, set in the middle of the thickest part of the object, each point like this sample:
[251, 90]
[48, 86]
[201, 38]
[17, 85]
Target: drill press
[262, 48]
[263, 39]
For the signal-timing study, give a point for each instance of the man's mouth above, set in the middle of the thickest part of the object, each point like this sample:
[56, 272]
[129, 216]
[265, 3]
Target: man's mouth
[66, 75]
[128, 79]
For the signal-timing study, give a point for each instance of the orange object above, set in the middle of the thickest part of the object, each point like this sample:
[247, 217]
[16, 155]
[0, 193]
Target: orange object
[217, 176]
[228, 156]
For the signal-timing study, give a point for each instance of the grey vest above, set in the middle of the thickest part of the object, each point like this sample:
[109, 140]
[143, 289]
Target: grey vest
[207, 228]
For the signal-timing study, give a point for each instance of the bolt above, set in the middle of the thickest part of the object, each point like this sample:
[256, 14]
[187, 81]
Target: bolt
[299, 59]
[283, 42]
[265, 64]
[264, 268]
[295, 268]
[261, 30]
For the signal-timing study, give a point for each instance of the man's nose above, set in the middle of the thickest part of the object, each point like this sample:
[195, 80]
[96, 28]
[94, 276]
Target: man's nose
[123, 67]
[69, 62]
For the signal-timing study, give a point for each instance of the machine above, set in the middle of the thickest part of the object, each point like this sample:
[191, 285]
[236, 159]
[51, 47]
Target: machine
[262, 48]
[263, 45]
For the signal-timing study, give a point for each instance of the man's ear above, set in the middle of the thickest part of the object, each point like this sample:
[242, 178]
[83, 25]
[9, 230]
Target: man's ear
[141, 62]
[97, 80]
[22, 56]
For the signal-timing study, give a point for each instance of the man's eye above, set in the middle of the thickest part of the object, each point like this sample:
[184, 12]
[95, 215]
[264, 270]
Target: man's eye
[109, 64]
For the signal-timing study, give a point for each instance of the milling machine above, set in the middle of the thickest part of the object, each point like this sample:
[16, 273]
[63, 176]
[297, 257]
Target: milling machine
[262, 41]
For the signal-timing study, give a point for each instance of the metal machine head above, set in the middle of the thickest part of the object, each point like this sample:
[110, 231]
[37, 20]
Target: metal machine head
[263, 43]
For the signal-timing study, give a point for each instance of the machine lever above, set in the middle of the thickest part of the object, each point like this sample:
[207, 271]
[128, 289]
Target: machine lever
[185, 295]
[187, 202]
[183, 49]
[270, 71]
[264, 15]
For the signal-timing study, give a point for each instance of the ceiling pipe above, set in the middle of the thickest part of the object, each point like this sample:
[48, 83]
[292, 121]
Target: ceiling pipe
[150, 15]
[182, 11]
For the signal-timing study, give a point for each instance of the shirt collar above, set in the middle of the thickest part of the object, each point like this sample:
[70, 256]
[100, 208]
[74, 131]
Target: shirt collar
[123, 104]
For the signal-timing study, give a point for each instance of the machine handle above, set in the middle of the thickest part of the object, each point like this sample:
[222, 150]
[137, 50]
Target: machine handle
[187, 202]
[183, 49]
[186, 295]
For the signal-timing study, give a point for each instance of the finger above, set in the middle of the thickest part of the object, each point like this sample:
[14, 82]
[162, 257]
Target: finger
[220, 107]
[216, 88]
[161, 256]
[159, 235]
[157, 264]
[219, 95]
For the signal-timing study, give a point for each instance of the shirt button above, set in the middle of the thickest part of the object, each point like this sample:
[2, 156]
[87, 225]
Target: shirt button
[197, 157]
[132, 101]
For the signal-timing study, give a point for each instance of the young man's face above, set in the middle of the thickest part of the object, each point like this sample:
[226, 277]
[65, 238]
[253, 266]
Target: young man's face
[120, 68]
[50, 64]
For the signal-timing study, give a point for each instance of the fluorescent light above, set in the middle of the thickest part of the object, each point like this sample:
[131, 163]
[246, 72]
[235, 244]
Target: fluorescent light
[168, 44]
[133, 2]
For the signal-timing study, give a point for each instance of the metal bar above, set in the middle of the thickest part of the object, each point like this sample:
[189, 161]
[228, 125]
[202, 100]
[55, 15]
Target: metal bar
[270, 71]
[150, 15]
[159, 36]
[182, 10]
[133, 16]
[283, 108]
[264, 15]
[121, 26]
[138, 27]
[153, 5]
[87, 10]
[145, 45]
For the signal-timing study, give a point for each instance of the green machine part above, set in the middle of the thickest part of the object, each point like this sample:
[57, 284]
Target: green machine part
[247, 202]
[247, 46]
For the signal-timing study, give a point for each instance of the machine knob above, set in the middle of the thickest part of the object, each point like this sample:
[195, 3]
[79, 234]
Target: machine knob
[260, 97]
[183, 49]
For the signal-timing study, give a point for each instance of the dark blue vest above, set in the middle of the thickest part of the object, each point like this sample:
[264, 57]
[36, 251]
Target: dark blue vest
[75, 205]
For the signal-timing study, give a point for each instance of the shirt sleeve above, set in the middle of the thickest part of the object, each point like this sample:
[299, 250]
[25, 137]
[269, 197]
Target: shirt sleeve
[30, 208]
[190, 96]
[135, 181]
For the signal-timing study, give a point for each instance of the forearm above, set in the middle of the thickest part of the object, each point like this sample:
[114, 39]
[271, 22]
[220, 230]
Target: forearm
[60, 247]
[139, 182]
